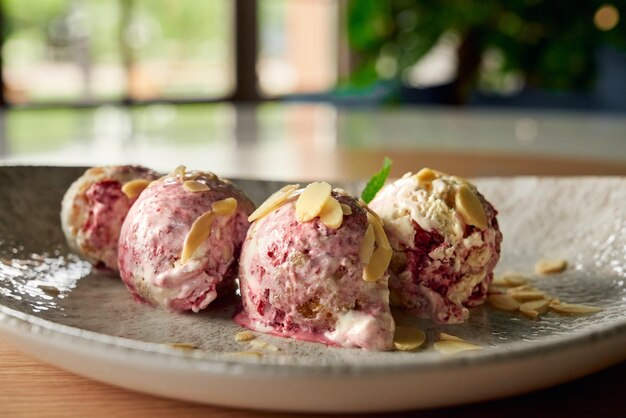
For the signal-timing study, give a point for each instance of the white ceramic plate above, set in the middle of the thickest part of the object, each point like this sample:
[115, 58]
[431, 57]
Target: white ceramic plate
[54, 306]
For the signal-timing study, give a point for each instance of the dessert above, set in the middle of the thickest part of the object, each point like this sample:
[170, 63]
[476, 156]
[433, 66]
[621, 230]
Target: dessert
[446, 243]
[181, 239]
[313, 267]
[94, 207]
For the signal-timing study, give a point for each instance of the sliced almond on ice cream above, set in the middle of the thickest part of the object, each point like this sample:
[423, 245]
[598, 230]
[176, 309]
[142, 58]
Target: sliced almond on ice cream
[272, 202]
[426, 175]
[225, 207]
[470, 208]
[312, 200]
[346, 209]
[449, 337]
[133, 188]
[200, 231]
[377, 265]
[408, 338]
[367, 245]
[526, 295]
[379, 231]
[194, 186]
[332, 214]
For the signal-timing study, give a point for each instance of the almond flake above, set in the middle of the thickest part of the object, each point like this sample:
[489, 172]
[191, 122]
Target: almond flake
[449, 337]
[263, 345]
[426, 175]
[225, 207]
[244, 336]
[538, 306]
[200, 231]
[408, 338]
[272, 202]
[346, 209]
[133, 188]
[573, 309]
[379, 232]
[453, 347]
[367, 245]
[503, 302]
[312, 200]
[526, 295]
[469, 207]
[332, 214]
[49, 290]
[547, 266]
[247, 354]
[179, 172]
[183, 346]
[514, 279]
[377, 265]
[195, 186]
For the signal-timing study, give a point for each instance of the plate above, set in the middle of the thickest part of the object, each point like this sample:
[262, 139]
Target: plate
[55, 307]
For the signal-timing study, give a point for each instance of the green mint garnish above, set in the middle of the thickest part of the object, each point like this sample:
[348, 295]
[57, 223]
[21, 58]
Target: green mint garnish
[376, 182]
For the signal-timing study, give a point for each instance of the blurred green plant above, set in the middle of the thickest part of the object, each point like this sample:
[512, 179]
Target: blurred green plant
[551, 44]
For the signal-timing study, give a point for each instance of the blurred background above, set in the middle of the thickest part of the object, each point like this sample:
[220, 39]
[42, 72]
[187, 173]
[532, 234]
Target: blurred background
[127, 75]
[549, 53]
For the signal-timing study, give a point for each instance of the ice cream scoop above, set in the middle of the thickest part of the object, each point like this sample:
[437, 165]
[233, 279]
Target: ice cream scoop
[313, 268]
[446, 243]
[94, 207]
[181, 239]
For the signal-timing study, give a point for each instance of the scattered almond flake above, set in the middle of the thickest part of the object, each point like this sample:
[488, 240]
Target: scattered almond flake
[503, 302]
[550, 266]
[450, 348]
[408, 338]
[526, 295]
[539, 306]
[133, 188]
[346, 209]
[49, 290]
[262, 345]
[449, 337]
[195, 186]
[225, 207]
[200, 231]
[331, 214]
[244, 336]
[529, 313]
[514, 279]
[274, 201]
[183, 346]
[312, 200]
[499, 282]
[554, 301]
[247, 354]
[574, 309]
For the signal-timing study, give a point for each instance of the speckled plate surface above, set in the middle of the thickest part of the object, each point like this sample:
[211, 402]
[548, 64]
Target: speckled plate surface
[54, 306]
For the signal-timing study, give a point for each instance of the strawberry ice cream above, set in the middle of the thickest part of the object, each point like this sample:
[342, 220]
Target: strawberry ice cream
[181, 239]
[315, 277]
[94, 208]
[446, 243]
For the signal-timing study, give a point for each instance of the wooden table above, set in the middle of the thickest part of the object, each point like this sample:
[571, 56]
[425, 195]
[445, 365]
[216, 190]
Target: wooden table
[31, 388]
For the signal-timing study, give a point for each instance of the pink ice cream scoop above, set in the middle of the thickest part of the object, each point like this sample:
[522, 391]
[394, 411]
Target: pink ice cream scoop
[94, 207]
[446, 243]
[321, 279]
[181, 239]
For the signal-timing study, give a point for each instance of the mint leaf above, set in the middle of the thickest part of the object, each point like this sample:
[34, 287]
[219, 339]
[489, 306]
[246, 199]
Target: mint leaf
[376, 182]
